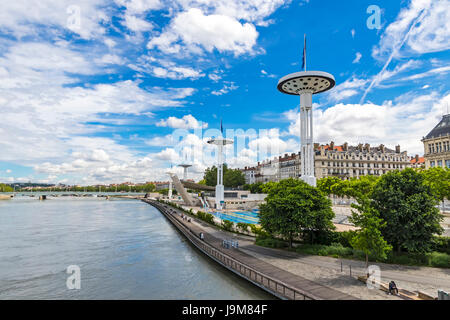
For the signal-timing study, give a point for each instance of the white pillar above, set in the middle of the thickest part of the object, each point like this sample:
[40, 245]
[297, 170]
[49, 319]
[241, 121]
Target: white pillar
[170, 189]
[184, 173]
[219, 186]
[306, 137]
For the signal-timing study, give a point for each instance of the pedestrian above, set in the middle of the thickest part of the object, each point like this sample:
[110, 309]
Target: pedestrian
[393, 288]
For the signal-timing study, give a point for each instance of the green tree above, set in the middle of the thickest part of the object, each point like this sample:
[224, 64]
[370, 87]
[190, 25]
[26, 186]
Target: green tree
[233, 178]
[327, 184]
[254, 187]
[359, 187]
[438, 179]
[408, 206]
[368, 238]
[149, 187]
[5, 188]
[294, 208]
[210, 175]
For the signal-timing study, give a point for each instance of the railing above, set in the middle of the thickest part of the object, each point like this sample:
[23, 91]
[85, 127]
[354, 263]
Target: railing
[268, 283]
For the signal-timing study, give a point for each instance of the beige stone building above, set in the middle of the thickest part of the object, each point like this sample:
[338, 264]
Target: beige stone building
[342, 161]
[437, 145]
[346, 161]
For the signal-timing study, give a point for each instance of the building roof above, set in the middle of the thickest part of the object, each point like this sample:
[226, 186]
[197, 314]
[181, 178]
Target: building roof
[420, 161]
[335, 148]
[441, 129]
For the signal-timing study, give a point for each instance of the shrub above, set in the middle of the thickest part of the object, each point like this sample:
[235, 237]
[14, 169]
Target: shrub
[335, 250]
[441, 244]
[243, 226]
[207, 217]
[327, 238]
[438, 259]
[259, 232]
[227, 225]
[270, 243]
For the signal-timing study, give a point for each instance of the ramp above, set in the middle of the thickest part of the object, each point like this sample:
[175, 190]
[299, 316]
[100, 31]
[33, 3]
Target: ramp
[181, 190]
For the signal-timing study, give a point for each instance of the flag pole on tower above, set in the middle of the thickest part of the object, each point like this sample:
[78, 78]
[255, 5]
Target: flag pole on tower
[304, 53]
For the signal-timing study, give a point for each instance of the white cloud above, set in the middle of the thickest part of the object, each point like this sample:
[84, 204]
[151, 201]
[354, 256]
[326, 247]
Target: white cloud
[433, 72]
[403, 121]
[431, 34]
[166, 69]
[266, 74]
[186, 122]
[45, 122]
[20, 18]
[214, 77]
[347, 89]
[353, 32]
[136, 24]
[139, 6]
[169, 155]
[422, 27]
[357, 57]
[110, 59]
[250, 10]
[196, 30]
[228, 86]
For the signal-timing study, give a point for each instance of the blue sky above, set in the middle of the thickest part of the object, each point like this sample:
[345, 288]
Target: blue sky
[97, 91]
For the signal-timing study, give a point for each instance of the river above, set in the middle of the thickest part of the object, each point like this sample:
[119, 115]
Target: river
[125, 249]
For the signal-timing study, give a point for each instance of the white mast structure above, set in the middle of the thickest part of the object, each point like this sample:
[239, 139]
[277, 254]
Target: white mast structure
[169, 172]
[220, 142]
[185, 166]
[305, 84]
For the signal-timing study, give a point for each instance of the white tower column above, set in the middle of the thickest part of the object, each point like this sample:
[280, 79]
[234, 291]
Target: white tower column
[305, 84]
[220, 190]
[306, 137]
[170, 190]
[220, 197]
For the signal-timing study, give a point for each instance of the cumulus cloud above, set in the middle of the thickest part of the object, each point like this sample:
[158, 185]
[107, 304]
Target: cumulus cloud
[186, 122]
[83, 17]
[403, 121]
[136, 24]
[47, 118]
[139, 6]
[196, 30]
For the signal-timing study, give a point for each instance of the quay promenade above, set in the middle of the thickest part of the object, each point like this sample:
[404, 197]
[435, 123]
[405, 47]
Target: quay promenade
[281, 283]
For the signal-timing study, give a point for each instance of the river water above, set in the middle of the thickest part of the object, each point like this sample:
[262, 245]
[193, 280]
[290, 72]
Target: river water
[125, 249]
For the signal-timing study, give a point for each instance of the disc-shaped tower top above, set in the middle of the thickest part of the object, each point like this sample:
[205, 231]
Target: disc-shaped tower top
[185, 165]
[220, 141]
[315, 81]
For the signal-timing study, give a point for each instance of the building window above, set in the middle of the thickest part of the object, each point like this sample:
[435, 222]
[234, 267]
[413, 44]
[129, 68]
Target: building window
[447, 163]
[439, 163]
[432, 164]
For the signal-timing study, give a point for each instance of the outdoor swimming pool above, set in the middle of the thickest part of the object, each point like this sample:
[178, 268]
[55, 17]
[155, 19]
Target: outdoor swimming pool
[250, 217]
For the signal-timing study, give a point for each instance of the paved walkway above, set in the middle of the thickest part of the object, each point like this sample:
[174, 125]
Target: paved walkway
[213, 237]
[327, 270]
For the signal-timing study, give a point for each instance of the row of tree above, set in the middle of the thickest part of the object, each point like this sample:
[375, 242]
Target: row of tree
[395, 211]
[5, 188]
[149, 187]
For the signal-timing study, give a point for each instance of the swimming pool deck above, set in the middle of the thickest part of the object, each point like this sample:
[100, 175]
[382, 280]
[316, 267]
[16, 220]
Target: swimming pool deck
[279, 282]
